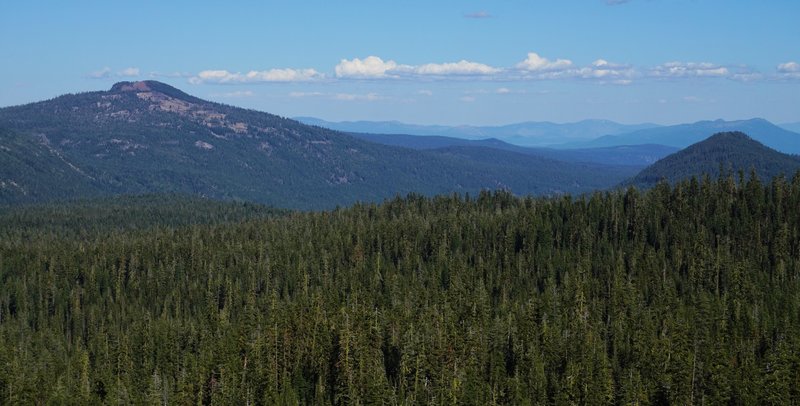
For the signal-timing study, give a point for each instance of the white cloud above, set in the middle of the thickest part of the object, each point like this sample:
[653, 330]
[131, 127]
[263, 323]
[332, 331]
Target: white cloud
[789, 70]
[536, 63]
[357, 97]
[339, 96]
[220, 76]
[503, 90]
[271, 75]
[789, 67]
[284, 75]
[425, 92]
[101, 74]
[235, 95]
[747, 76]
[478, 15]
[129, 72]
[674, 70]
[467, 99]
[603, 67]
[533, 67]
[536, 67]
[605, 70]
[689, 69]
[461, 67]
[369, 67]
[305, 94]
[170, 75]
[106, 73]
[373, 67]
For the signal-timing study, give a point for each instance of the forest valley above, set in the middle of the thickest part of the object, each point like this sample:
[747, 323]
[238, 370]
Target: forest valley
[680, 294]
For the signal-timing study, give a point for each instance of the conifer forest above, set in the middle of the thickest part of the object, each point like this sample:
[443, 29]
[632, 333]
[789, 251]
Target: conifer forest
[681, 294]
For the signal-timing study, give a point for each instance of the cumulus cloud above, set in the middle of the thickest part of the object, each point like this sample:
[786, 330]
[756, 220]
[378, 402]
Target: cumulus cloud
[129, 72]
[536, 63]
[536, 67]
[478, 14]
[503, 90]
[101, 74]
[789, 70]
[106, 73]
[533, 68]
[369, 67]
[789, 67]
[461, 67]
[373, 67]
[271, 75]
[606, 71]
[689, 69]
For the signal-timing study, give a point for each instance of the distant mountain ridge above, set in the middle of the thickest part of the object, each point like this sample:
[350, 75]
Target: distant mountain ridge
[794, 127]
[524, 134]
[629, 155]
[587, 134]
[731, 151]
[149, 137]
[683, 135]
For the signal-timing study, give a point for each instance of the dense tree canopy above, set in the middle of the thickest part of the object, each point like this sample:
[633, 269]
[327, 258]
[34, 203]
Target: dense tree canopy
[684, 294]
[727, 151]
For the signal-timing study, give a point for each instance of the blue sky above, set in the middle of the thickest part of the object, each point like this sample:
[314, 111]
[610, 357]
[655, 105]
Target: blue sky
[428, 62]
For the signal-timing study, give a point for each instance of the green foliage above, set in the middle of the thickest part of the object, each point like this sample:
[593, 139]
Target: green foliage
[33, 171]
[90, 217]
[721, 153]
[684, 294]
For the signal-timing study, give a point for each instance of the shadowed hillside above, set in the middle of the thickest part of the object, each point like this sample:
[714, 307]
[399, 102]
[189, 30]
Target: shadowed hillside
[729, 151]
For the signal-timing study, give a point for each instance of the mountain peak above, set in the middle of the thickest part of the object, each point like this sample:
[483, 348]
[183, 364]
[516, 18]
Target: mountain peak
[729, 136]
[152, 86]
[731, 150]
[148, 137]
[140, 86]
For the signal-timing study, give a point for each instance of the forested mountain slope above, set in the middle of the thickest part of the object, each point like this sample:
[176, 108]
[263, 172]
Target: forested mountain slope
[148, 137]
[31, 169]
[729, 151]
[683, 294]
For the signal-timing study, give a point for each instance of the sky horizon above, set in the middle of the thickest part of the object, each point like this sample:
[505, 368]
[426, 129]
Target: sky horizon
[450, 62]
